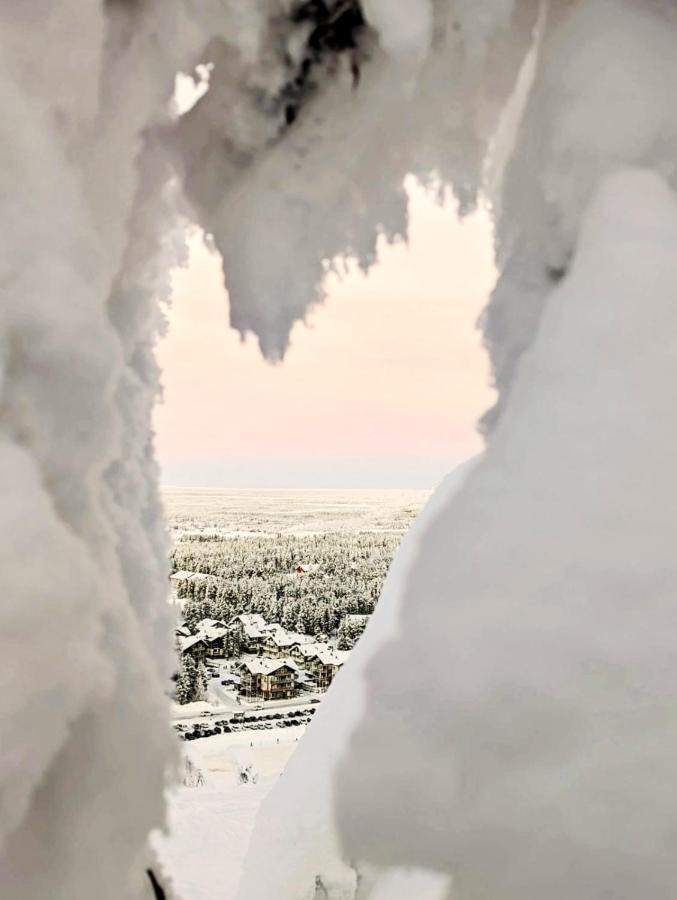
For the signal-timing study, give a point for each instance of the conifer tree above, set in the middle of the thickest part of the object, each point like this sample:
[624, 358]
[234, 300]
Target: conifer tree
[185, 684]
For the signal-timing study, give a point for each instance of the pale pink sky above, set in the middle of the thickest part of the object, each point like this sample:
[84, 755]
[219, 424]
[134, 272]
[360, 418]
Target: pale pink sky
[381, 388]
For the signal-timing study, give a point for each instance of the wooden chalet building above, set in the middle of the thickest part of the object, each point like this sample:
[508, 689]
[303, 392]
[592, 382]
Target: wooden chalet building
[212, 639]
[321, 661]
[249, 631]
[194, 645]
[269, 679]
[216, 636]
[279, 643]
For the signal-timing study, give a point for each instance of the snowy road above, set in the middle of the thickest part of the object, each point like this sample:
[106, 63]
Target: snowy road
[224, 698]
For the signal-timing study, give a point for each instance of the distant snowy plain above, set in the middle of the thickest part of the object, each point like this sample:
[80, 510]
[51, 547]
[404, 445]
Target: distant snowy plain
[232, 513]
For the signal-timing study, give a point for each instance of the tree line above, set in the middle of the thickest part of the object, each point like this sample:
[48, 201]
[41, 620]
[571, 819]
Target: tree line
[256, 575]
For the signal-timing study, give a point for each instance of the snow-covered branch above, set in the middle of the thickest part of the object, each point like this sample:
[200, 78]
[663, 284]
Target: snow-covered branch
[516, 597]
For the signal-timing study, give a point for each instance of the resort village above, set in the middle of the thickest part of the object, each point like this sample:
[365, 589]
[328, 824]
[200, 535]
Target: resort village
[248, 659]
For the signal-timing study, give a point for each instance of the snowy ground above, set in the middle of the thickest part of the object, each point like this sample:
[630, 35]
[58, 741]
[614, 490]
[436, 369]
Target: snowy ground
[233, 513]
[210, 826]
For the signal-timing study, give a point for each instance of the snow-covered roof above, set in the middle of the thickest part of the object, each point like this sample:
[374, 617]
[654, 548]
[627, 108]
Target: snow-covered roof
[252, 631]
[283, 638]
[211, 629]
[188, 642]
[329, 657]
[263, 666]
[183, 575]
[356, 618]
[210, 623]
[213, 634]
[254, 620]
[182, 630]
[306, 567]
[311, 649]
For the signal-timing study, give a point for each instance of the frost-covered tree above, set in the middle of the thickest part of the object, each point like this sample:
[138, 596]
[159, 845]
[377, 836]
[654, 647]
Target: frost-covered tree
[536, 606]
[187, 684]
[253, 575]
[201, 681]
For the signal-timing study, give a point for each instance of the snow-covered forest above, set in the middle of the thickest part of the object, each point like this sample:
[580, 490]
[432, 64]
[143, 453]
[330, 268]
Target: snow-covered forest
[257, 575]
[535, 753]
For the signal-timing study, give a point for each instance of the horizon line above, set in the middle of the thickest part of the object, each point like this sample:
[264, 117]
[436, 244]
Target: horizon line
[211, 487]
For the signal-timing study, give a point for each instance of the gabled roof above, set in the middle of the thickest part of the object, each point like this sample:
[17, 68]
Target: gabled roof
[188, 642]
[211, 632]
[325, 654]
[211, 623]
[330, 657]
[311, 649]
[211, 628]
[283, 638]
[252, 619]
[183, 575]
[263, 666]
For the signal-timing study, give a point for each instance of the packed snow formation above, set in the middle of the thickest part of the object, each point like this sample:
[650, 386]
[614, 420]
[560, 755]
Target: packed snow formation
[539, 758]
[535, 756]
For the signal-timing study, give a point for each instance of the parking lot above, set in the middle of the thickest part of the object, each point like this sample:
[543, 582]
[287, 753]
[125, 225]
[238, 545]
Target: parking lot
[251, 721]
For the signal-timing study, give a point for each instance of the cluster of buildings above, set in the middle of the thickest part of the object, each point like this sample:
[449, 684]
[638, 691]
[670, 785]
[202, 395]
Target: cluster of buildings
[255, 635]
[273, 663]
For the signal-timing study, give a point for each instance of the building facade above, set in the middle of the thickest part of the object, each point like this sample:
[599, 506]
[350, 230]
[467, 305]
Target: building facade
[268, 679]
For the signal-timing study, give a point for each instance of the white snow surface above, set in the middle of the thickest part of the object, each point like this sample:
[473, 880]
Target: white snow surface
[296, 824]
[85, 745]
[209, 826]
[549, 642]
[533, 754]
[404, 29]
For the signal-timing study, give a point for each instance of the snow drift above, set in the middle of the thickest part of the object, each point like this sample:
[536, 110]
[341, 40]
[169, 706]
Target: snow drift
[545, 768]
[515, 729]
